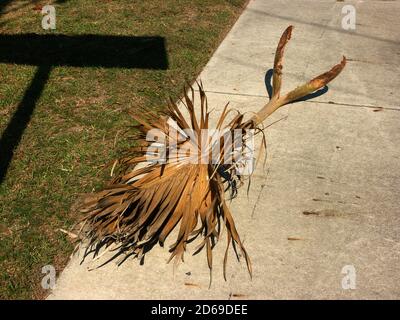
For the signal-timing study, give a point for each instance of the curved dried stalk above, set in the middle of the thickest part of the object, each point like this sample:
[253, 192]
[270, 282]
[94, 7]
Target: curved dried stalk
[143, 204]
[301, 91]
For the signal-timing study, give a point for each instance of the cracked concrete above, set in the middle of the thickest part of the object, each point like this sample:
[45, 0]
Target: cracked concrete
[328, 194]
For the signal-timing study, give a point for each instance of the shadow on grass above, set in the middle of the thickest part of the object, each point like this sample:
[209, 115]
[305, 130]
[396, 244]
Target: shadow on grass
[48, 51]
[4, 4]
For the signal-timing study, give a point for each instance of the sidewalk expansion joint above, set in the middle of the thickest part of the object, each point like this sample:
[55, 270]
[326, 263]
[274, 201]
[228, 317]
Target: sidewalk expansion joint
[376, 108]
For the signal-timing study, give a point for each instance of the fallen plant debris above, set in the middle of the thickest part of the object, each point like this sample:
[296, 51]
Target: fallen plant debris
[294, 238]
[146, 200]
[71, 235]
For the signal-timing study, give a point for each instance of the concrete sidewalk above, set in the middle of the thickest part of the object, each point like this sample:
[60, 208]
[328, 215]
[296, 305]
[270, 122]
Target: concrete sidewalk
[332, 178]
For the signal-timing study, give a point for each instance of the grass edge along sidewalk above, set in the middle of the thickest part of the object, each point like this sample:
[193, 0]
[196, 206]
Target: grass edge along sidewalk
[80, 119]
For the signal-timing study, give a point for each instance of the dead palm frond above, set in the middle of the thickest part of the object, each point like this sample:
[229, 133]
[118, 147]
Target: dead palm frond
[147, 199]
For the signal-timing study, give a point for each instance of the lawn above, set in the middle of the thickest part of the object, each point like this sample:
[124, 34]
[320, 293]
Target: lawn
[80, 120]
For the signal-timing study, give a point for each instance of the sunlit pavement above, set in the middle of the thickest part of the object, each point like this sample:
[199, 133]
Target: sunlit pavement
[321, 220]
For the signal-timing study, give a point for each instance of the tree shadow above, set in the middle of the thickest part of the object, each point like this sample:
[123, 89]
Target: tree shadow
[49, 51]
[4, 4]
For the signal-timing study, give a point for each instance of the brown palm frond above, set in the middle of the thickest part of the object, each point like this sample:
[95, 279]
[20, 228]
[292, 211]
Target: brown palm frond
[141, 206]
[149, 198]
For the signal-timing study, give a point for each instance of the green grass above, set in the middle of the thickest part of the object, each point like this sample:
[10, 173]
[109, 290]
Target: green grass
[78, 115]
